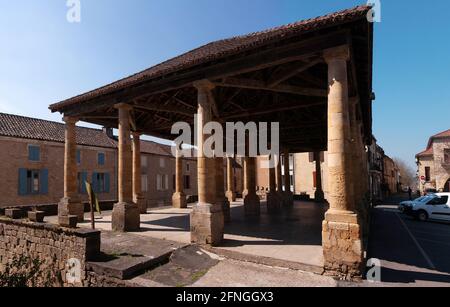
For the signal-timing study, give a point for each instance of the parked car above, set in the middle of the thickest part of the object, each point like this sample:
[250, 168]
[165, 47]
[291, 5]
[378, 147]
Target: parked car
[405, 204]
[433, 206]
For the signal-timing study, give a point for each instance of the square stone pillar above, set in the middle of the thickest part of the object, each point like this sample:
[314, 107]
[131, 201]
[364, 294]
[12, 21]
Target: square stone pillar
[125, 215]
[220, 190]
[231, 193]
[71, 204]
[341, 235]
[207, 221]
[319, 196]
[179, 198]
[288, 195]
[252, 203]
[273, 198]
[138, 197]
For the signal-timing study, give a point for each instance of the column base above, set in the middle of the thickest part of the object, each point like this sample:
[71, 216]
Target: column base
[231, 196]
[141, 203]
[71, 206]
[126, 217]
[342, 245]
[207, 224]
[179, 200]
[274, 203]
[252, 205]
[288, 199]
[319, 197]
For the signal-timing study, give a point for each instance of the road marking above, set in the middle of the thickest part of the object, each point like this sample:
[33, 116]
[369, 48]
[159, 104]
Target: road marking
[422, 251]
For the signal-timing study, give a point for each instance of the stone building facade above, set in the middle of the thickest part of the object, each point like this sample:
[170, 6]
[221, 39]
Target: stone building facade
[392, 177]
[33, 157]
[376, 170]
[434, 163]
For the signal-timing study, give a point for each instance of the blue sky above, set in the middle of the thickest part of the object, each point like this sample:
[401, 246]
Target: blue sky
[44, 59]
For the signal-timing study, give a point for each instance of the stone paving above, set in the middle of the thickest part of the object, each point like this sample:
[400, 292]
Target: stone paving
[292, 236]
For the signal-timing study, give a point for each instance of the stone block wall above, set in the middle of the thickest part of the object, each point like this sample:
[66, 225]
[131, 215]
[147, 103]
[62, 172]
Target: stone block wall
[52, 246]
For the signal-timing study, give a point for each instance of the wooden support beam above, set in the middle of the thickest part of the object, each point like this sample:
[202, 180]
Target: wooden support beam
[261, 85]
[290, 72]
[166, 108]
[275, 108]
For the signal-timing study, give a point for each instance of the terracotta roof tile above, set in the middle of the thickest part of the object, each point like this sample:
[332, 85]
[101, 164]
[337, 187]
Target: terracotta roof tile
[428, 152]
[149, 147]
[222, 48]
[442, 134]
[43, 130]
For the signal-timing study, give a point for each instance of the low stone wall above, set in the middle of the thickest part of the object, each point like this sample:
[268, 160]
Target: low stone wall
[49, 251]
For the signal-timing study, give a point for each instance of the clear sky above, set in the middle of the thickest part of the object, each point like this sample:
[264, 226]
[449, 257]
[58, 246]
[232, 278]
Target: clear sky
[44, 58]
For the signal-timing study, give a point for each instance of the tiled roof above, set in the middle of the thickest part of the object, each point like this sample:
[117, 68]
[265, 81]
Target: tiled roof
[442, 134]
[429, 150]
[153, 148]
[223, 48]
[43, 130]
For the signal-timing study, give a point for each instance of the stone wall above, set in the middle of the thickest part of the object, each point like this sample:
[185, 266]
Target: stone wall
[52, 246]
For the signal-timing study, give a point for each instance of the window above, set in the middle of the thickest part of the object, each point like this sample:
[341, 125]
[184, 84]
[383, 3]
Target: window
[143, 161]
[144, 183]
[78, 156]
[33, 182]
[82, 178]
[162, 162]
[447, 155]
[34, 153]
[187, 182]
[162, 182]
[101, 158]
[314, 180]
[174, 182]
[427, 174]
[188, 167]
[442, 200]
[101, 182]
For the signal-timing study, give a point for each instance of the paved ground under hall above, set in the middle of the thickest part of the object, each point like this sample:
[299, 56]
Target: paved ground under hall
[294, 236]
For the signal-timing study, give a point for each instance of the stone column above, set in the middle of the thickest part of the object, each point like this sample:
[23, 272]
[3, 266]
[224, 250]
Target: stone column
[70, 204]
[289, 196]
[138, 198]
[341, 236]
[252, 203]
[231, 194]
[319, 195]
[179, 198]
[125, 216]
[222, 200]
[207, 221]
[273, 198]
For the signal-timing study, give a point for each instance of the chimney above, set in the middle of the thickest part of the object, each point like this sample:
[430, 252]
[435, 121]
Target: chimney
[108, 131]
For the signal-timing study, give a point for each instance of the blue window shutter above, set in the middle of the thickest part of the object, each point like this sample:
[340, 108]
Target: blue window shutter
[101, 159]
[22, 181]
[107, 183]
[84, 176]
[94, 182]
[78, 156]
[34, 153]
[44, 181]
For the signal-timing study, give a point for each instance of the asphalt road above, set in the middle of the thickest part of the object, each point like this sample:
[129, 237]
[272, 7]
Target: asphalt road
[411, 252]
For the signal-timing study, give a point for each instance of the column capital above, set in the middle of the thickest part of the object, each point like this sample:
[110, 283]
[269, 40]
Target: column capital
[70, 120]
[124, 106]
[204, 84]
[136, 134]
[337, 53]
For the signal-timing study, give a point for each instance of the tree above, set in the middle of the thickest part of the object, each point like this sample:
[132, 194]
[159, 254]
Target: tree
[408, 173]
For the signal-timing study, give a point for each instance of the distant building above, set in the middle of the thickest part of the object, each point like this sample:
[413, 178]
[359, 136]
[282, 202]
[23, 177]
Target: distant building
[392, 177]
[376, 170]
[32, 160]
[434, 163]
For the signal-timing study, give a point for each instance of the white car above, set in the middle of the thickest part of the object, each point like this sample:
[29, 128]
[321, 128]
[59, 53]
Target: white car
[433, 206]
[404, 205]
